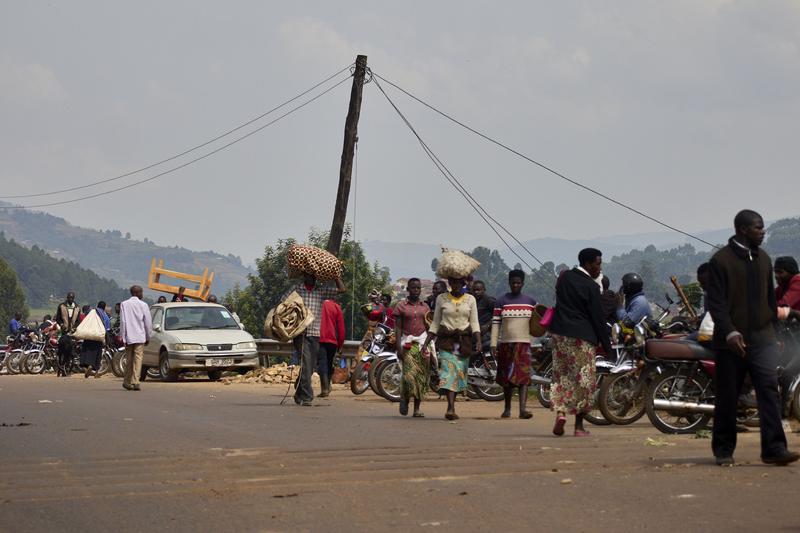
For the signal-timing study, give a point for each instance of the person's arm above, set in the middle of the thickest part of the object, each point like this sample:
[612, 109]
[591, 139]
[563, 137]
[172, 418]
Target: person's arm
[475, 325]
[148, 322]
[597, 320]
[339, 327]
[720, 308]
[340, 287]
[434, 327]
[497, 320]
[398, 334]
[122, 326]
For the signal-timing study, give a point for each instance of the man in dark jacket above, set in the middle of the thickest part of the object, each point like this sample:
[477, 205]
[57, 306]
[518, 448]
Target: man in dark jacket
[741, 300]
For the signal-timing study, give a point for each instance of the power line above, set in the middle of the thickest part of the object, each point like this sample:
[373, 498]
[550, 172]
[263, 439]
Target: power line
[188, 151]
[173, 169]
[458, 186]
[545, 167]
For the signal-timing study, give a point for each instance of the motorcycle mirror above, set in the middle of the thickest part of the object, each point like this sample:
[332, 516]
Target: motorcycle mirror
[666, 295]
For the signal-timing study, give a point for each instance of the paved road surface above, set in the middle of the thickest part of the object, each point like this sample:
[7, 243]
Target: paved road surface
[202, 456]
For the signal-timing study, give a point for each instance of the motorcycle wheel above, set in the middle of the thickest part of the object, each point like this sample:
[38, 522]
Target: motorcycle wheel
[616, 398]
[595, 416]
[359, 379]
[663, 387]
[12, 362]
[372, 373]
[389, 380]
[796, 404]
[105, 364]
[490, 393]
[543, 390]
[34, 363]
[118, 363]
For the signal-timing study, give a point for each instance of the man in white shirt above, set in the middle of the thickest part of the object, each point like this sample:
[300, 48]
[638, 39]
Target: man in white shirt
[135, 327]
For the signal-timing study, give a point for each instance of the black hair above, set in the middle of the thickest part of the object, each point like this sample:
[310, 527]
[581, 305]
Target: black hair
[441, 283]
[101, 304]
[477, 281]
[516, 273]
[702, 269]
[787, 264]
[412, 279]
[86, 308]
[746, 218]
[588, 255]
[606, 282]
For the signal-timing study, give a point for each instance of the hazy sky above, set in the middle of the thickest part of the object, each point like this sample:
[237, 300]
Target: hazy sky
[689, 110]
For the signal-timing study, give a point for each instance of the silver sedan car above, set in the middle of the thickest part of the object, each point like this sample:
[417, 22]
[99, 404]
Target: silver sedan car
[197, 336]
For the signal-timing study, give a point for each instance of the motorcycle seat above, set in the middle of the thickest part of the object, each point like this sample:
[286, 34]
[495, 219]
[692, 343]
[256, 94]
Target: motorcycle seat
[677, 350]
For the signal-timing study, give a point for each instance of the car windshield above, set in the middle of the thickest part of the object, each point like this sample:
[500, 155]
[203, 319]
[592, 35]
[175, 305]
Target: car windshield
[191, 317]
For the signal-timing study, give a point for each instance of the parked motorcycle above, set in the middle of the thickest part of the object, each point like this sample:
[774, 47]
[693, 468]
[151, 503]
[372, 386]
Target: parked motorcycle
[363, 376]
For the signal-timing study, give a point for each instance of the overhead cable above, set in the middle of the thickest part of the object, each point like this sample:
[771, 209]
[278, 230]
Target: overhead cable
[185, 152]
[442, 168]
[173, 169]
[545, 167]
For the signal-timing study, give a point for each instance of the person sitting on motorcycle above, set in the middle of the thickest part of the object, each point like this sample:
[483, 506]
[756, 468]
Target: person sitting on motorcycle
[15, 324]
[787, 292]
[632, 304]
[374, 312]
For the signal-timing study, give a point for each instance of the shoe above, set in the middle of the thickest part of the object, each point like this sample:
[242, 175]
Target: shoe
[137, 387]
[306, 403]
[404, 407]
[725, 460]
[781, 459]
[127, 387]
[558, 427]
[525, 415]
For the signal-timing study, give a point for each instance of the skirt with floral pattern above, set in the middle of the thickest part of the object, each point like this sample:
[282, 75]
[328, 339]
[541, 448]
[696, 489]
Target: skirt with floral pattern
[573, 387]
[452, 371]
[513, 364]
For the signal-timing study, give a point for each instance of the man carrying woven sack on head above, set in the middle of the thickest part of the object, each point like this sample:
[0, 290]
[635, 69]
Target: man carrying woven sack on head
[307, 343]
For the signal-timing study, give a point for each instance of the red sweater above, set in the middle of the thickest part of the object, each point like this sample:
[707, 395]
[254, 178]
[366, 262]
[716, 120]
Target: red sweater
[331, 327]
[791, 295]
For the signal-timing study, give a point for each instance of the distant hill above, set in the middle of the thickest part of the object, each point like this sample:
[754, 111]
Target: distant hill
[43, 277]
[113, 255]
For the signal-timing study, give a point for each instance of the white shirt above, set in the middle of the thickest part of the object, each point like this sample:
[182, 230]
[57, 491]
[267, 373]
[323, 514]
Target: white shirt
[135, 322]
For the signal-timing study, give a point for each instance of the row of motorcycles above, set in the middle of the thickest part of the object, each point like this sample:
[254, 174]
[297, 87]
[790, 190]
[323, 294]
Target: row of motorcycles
[654, 370]
[35, 351]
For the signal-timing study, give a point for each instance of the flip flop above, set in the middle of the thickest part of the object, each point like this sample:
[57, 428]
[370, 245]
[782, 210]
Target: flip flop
[558, 428]
[418, 415]
[506, 414]
[526, 415]
[451, 416]
[581, 433]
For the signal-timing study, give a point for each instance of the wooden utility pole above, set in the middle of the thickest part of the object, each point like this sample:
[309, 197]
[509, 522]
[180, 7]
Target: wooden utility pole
[346, 168]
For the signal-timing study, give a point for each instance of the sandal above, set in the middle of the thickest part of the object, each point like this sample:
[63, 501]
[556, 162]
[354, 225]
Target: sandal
[451, 415]
[581, 433]
[525, 415]
[506, 414]
[418, 415]
[558, 428]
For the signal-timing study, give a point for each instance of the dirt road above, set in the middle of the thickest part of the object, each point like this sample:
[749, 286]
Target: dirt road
[202, 456]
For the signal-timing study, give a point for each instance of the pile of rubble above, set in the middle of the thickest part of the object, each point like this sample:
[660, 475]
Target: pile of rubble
[276, 374]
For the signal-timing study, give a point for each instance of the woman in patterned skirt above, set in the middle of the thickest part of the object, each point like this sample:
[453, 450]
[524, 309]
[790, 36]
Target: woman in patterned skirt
[577, 328]
[457, 332]
[409, 326]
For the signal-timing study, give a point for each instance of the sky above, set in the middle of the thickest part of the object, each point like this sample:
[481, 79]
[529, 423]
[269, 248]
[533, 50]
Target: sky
[687, 110]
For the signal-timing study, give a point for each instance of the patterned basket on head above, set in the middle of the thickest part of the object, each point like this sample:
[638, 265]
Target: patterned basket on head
[323, 264]
[455, 264]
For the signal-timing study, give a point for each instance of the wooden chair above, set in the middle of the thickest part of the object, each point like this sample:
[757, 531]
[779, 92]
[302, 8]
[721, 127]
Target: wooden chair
[203, 281]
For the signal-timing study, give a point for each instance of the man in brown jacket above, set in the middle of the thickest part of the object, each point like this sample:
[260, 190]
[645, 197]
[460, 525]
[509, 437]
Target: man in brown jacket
[741, 300]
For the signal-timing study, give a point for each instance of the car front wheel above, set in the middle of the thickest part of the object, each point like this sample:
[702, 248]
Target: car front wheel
[167, 373]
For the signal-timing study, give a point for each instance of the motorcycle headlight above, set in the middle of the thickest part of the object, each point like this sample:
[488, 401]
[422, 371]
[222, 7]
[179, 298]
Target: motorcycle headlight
[184, 347]
[379, 335]
[639, 335]
[249, 345]
[616, 333]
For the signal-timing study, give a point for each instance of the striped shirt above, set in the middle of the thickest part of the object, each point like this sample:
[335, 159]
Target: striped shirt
[511, 318]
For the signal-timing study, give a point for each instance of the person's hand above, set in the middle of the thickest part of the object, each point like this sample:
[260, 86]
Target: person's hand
[737, 345]
[493, 351]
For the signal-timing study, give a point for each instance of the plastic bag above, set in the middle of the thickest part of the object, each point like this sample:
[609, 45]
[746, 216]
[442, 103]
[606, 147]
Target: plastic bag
[91, 328]
[706, 331]
[455, 264]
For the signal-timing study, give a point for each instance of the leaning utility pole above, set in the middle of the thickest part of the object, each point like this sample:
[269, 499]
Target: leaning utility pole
[346, 168]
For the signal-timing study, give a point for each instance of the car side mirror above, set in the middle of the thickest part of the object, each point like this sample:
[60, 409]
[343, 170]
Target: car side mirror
[157, 327]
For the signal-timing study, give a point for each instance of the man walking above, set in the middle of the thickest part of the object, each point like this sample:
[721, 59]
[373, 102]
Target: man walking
[307, 343]
[67, 314]
[135, 327]
[741, 300]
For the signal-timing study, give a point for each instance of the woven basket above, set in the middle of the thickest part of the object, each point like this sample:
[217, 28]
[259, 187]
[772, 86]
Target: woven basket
[455, 264]
[323, 264]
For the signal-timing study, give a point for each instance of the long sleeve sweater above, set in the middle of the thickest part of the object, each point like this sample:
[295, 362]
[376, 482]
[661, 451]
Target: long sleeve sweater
[512, 318]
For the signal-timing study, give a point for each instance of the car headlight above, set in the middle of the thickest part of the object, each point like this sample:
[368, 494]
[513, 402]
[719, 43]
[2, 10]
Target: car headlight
[183, 347]
[249, 345]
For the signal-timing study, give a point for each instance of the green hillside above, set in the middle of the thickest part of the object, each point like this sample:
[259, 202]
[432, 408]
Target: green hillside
[113, 255]
[44, 278]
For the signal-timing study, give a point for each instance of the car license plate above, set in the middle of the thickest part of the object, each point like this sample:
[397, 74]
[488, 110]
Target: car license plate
[219, 362]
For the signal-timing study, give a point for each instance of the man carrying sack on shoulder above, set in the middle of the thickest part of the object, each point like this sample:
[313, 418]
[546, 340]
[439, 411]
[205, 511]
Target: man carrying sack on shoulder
[307, 343]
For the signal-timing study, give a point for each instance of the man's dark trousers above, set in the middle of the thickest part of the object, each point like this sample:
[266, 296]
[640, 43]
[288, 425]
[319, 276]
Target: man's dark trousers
[308, 347]
[761, 363]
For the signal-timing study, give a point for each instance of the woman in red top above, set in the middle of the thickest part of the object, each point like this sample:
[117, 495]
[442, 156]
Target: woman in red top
[409, 328]
[787, 291]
